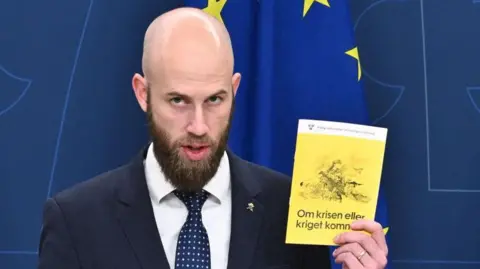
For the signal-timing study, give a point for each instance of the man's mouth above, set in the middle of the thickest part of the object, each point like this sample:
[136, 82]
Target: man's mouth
[196, 151]
[196, 146]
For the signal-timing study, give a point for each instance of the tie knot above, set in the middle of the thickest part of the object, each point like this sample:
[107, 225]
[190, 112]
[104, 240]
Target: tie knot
[193, 200]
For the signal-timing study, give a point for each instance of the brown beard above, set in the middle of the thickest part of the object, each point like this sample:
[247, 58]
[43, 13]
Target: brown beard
[182, 173]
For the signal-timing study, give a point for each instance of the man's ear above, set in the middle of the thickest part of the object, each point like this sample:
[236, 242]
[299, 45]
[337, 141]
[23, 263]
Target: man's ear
[140, 88]
[236, 82]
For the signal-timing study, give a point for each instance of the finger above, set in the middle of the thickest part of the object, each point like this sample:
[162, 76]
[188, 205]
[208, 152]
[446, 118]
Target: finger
[357, 251]
[364, 241]
[366, 225]
[375, 230]
[354, 248]
[348, 260]
[381, 241]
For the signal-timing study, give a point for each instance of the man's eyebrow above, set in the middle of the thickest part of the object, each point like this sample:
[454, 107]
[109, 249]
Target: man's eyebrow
[221, 91]
[175, 93]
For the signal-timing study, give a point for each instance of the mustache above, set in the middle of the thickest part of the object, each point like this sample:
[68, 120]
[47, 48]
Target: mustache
[193, 139]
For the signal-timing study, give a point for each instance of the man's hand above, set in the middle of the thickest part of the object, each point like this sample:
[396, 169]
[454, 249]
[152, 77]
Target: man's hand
[363, 248]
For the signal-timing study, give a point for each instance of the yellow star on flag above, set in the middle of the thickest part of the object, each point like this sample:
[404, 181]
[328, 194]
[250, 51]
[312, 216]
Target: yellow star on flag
[308, 4]
[354, 53]
[385, 230]
[214, 8]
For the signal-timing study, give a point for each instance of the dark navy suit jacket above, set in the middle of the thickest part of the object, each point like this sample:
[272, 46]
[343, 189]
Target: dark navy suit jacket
[107, 223]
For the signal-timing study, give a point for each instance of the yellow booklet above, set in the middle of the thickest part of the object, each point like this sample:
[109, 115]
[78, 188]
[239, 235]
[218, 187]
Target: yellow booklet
[336, 179]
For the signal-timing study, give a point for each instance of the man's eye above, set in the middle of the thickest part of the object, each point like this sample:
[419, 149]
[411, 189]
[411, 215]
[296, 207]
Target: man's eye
[214, 99]
[176, 100]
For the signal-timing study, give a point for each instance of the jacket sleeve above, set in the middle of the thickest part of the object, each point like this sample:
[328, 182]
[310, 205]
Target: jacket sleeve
[316, 257]
[56, 249]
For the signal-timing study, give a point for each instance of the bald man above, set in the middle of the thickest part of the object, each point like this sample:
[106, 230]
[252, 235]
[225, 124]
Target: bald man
[186, 201]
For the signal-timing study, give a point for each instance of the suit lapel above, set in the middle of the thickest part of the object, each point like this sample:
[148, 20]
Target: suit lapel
[247, 215]
[135, 215]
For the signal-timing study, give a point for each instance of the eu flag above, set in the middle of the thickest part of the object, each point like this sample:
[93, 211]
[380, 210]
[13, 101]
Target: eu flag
[298, 59]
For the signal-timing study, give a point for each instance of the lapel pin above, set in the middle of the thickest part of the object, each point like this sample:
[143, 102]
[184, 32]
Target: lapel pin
[250, 206]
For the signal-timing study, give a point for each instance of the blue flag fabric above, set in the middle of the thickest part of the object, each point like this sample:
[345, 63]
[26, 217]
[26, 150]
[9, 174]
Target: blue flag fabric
[298, 59]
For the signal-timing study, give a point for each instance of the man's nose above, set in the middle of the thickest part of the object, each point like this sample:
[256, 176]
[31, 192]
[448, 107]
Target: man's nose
[197, 124]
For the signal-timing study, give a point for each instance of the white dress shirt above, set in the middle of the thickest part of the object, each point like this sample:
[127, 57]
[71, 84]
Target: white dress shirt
[170, 212]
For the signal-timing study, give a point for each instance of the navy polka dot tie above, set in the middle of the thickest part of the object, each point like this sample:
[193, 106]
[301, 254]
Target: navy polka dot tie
[193, 248]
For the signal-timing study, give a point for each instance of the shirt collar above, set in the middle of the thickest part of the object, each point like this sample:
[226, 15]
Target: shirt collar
[159, 187]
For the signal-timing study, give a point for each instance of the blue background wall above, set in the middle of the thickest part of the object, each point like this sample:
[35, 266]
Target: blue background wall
[422, 62]
[67, 109]
[67, 112]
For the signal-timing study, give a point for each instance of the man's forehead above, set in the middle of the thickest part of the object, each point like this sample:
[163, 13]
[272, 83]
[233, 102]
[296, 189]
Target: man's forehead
[191, 80]
[197, 93]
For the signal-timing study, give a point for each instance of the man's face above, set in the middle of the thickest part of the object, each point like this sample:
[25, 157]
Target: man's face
[189, 121]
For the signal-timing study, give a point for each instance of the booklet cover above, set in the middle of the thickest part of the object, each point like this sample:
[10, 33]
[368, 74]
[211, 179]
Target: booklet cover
[336, 179]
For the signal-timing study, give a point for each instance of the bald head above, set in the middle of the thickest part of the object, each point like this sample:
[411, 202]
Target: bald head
[186, 38]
